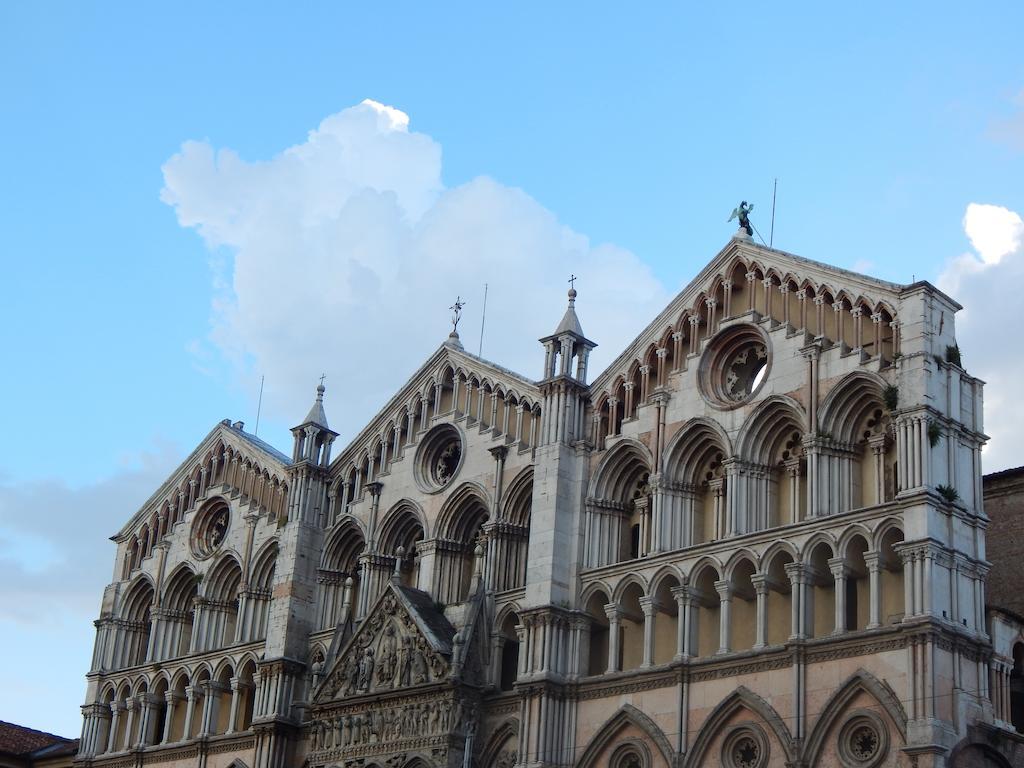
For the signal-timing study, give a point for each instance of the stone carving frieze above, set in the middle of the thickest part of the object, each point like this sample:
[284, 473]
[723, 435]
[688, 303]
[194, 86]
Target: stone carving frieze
[388, 652]
[386, 727]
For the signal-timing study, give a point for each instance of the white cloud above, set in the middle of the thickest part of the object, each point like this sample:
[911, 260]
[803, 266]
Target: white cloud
[42, 527]
[994, 231]
[348, 250]
[987, 283]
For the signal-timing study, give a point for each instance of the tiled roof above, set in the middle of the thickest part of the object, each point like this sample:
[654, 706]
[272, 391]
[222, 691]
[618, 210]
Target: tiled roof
[18, 740]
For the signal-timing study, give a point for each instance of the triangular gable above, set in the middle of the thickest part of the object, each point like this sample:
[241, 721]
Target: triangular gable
[260, 453]
[448, 354]
[404, 641]
[768, 259]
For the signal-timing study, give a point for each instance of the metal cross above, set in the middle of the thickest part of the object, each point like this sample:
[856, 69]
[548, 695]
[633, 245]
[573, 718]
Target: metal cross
[572, 281]
[322, 379]
[456, 309]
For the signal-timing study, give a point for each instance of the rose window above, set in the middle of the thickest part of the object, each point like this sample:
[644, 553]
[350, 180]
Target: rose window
[439, 458]
[210, 528]
[735, 366]
[863, 741]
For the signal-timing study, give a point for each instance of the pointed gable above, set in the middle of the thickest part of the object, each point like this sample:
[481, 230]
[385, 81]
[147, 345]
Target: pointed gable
[404, 641]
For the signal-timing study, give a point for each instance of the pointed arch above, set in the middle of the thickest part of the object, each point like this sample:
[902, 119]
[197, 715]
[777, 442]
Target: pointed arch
[860, 681]
[463, 512]
[849, 402]
[768, 424]
[506, 732]
[622, 465]
[402, 525]
[712, 727]
[695, 441]
[605, 736]
[518, 499]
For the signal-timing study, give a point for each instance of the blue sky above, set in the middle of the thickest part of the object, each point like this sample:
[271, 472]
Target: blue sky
[617, 141]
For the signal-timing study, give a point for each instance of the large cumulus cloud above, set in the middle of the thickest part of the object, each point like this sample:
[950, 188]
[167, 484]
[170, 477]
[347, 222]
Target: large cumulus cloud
[987, 281]
[344, 253]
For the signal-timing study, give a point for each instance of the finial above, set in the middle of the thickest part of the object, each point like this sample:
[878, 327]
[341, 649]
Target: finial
[572, 289]
[456, 309]
[321, 388]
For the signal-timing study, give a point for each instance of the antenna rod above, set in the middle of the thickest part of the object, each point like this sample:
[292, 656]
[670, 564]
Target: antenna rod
[483, 319]
[259, 407]
[771, 236]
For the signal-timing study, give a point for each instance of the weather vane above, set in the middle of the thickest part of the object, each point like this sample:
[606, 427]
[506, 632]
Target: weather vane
[743, 214]
[456, 309]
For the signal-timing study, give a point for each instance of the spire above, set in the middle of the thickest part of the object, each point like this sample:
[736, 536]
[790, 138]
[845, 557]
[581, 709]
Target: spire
[570, 323]
[316, 414]
[567, 349]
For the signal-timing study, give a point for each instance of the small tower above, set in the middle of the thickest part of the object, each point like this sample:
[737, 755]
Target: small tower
[566, 353]
[311, 456]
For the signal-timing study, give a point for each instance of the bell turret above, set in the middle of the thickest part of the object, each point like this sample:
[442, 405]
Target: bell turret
[567, 350]
[313, 438]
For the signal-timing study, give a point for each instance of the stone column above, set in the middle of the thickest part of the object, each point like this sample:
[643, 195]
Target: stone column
[795, 572]
[694, 325]
[191, 694]
[873, 560]
[613, 413]
[839, 573]
[614, 614]
[116, 707]
[760, 582]
[712, 322]
[629, 387]
[678, 361]
[724, 589]
[172, 698]
[650, 608]
[129, 730]
[662, 354]
[682, 596]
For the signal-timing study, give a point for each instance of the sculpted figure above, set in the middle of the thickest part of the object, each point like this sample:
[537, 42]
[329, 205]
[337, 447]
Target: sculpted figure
[404, 661]
[366, 670]
[419, 667]
[742, 212]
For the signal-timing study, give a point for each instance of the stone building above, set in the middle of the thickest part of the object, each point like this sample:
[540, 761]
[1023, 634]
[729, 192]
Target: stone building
[756, 539]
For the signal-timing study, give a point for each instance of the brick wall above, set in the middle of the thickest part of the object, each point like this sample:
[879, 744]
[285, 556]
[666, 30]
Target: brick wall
[1004, 503]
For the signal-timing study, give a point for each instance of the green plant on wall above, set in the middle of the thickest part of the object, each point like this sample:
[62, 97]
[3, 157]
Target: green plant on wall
[891, 396]
[953, 354]
[934, 433]
[948, 492]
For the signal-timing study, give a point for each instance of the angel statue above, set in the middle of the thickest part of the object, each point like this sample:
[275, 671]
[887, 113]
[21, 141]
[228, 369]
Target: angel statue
[743, 214]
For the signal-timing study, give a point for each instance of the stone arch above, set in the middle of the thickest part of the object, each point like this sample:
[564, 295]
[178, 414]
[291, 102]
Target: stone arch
[401, 526]
[339, 562]
[613, 474]
[845, 404]
[504, 736]
[696, 491]
[624, 583]
[618, 516]
[859, 682]
[459, 529]
[510, 536]
[713, 726]
[606, 738]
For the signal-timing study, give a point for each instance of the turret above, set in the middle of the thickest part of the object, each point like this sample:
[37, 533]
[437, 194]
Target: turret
[313, 438]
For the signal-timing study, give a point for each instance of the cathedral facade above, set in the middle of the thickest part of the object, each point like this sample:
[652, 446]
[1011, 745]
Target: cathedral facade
[757, 539]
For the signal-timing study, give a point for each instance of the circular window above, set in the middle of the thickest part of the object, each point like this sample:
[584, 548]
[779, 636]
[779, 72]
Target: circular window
[439, 458]
[734, 366]
[745, 747]
[863, 740]
[210, 528]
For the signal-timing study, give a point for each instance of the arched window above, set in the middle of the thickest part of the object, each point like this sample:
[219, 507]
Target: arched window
[340, 562]
[508, 669]
[178, 614]
[136, 613]
[618, 525]
[460, 533]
